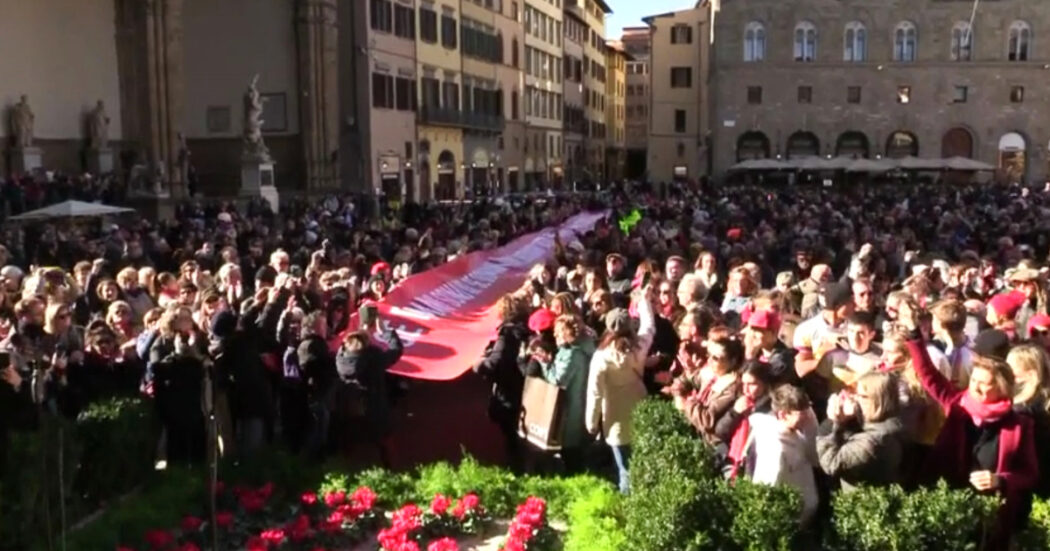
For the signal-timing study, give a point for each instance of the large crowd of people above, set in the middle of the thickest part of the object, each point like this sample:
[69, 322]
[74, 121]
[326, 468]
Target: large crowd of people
[814, 337]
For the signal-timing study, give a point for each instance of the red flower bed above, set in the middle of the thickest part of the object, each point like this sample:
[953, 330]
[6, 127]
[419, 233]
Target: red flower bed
[433, 529]
[249, 519]
[529, 530]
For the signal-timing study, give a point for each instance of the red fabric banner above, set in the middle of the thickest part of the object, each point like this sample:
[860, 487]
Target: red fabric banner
[446, 317]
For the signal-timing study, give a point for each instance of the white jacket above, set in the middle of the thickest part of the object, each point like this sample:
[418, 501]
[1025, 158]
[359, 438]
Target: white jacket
[787, 457]
[615, 386]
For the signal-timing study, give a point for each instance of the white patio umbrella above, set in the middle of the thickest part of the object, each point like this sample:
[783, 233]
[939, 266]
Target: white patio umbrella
[71, 209]
[870, 165]
[965, 164]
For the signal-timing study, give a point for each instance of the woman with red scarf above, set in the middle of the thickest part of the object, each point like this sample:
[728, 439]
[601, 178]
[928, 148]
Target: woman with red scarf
[984, 443]
[756, 380]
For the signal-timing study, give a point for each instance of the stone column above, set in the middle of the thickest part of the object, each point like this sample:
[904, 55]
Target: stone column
[150, 59]
[317, 45]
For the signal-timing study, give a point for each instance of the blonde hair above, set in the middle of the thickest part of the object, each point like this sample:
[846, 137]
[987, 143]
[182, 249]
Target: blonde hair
[881, 390]
[166, 325]
[1031, 358]
[127, 274]
[567, 329]
[111, 311]
[566, 302]
[51, 314]
[1001, 374]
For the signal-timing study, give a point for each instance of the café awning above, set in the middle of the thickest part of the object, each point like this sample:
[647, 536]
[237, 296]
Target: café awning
[760, 164]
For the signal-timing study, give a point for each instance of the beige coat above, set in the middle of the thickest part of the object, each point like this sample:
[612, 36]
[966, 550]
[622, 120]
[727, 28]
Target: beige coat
[615, 386]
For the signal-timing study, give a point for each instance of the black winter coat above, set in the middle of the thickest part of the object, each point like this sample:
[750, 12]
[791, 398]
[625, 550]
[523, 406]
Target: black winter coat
[367, 368]
[501, 367]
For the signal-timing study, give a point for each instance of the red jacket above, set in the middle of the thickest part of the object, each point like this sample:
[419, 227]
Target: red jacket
[1017, 468]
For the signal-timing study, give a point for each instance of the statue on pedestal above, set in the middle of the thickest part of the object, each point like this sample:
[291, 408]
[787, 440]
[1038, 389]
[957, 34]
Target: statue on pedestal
[98, 127]
[254, 148]
[22, 124]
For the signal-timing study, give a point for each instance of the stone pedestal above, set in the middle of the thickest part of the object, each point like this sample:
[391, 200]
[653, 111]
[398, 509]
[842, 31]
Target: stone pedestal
[100, 161]
[25, 160]
[257, 180]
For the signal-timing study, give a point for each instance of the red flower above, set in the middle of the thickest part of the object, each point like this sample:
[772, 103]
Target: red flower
[273, 536]
[408, 546]
[191, 524]
[308, 498]
[470, 501]
[335, 498]
[159, 539]
[459, 511]
[223, 519]
[252, 501]
[265, 491]
[443, 544]
[336, 517]
[440, 504]
[255, 543]
[365, 497]
[189, 546]
[299, 528]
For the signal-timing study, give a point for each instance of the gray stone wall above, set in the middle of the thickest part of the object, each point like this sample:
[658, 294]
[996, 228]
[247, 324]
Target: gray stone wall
[987, 114]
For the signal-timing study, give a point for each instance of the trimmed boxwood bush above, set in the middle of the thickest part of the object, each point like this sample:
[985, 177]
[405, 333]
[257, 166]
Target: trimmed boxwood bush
[106, 452]
[927, 519]
[763, 517]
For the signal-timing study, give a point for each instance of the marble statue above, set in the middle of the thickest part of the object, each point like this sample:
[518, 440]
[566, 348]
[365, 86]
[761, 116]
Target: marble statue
[254, 148]
[98, 127]
[22, 123]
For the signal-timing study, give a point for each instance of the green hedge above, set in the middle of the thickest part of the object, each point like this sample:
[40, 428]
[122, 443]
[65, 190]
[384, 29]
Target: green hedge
[680, 501]
[106, 452]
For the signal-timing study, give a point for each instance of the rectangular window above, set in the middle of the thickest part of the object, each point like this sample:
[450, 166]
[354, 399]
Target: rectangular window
[754, 95]
[451, 95]
[514, 11]
[904, 94]
[805, 94]
[404, 22]
[681, 77]
[382, 91]
[679, 120]
[514, 105]
[514, 53]
[960, 94]
[431, 93]
[853, 94]
[681, 34]
[448, 32]
[428, 31]
[381, 15]
[1017, 94]
[406, 94]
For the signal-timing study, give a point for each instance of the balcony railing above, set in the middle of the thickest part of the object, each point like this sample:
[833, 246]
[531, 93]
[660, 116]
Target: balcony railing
[440, 116]
[454, 117]
[482, 121]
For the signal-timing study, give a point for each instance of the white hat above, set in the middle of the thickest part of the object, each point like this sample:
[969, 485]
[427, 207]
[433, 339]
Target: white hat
[225, 217]
[12, 272]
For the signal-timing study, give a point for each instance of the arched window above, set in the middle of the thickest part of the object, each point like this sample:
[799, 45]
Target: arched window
[855, 42]
[805, 41]
[905, 40]
[962, 42]
[1020, 41]
[754, 42]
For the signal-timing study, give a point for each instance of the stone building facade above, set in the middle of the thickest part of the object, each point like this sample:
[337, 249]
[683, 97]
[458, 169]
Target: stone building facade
[678, 102]
[636, 44]
[895, 78]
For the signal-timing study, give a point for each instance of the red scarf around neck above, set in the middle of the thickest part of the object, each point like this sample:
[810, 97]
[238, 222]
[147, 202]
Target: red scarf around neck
[981, 412]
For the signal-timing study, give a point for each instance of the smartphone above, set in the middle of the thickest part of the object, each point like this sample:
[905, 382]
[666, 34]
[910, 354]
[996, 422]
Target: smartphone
[5, 360]
[646, 277]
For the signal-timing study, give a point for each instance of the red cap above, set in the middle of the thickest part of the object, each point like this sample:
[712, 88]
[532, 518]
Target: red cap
[1039, 321]
[541, 320]
[1006, 305]
[765, 320]
[734, 233]
[379, 267]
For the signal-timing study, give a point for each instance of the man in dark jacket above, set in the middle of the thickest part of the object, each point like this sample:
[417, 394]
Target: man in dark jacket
[501, 367]
[242, 376]
[363, 365]
[317, 366]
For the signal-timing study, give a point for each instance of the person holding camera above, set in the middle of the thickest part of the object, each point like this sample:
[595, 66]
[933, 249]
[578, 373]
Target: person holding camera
[177, 362]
